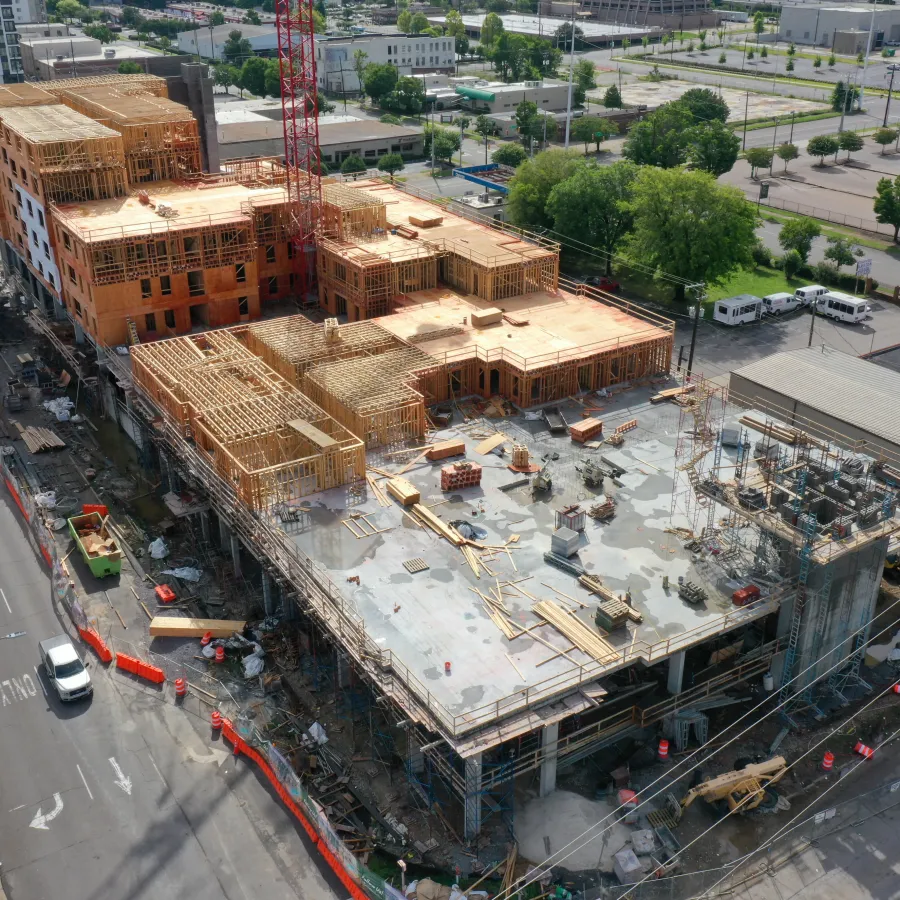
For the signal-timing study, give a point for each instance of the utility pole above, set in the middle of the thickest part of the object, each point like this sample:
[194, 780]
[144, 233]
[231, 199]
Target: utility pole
[791, 138]
[844, 106]
[462, 137]
[812, 320]
[774, 136]
[571, 79]
[746, 110]
[862, 85]
[699, 293]
[892, 68]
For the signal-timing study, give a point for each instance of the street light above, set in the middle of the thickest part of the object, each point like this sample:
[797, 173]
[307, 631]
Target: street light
[893, 67]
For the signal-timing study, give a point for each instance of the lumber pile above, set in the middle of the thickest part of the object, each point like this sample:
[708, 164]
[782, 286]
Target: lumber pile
[403, 490]
[779, 433]
[672, 393]
[39, 439]
[428, 518]
[582, 636]
[445, 449]
[611, 606]
[497, 610]
[494, 441]
[171, 626]
[626, 426]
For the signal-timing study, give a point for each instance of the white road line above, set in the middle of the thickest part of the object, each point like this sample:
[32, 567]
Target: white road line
[153, 763]
[19, 807]
[9, 609]
[84, 780]
[40, 680]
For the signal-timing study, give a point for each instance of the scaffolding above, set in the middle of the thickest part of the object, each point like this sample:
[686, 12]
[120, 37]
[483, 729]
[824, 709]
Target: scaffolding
[78, 159]
[262, 435]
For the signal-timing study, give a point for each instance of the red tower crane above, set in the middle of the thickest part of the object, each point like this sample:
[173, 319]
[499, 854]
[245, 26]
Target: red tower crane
[296, 57]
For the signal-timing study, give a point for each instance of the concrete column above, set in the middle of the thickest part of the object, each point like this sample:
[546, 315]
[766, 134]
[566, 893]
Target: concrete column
[223, 534]
[473, 797]
[416, 756]
[236, 555]
[79, 333]
[204, 525]
[343, 669]
[676, 673]
[550, 746]
[268, 593]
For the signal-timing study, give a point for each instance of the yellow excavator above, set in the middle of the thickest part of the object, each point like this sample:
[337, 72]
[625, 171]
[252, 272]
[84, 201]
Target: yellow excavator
[743, 789]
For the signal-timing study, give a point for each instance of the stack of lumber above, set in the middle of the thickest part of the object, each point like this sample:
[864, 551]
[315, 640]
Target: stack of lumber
[672, 393]
[380, 496]
[445, 449]
[779, 433]
[403, 490]
[39, 439]
[611, 605]
[581, 635]
[170, 626]
[497, 610]
[427, 517]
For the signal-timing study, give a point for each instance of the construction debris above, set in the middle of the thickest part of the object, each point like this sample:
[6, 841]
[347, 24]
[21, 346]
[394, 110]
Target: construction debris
[39, 439]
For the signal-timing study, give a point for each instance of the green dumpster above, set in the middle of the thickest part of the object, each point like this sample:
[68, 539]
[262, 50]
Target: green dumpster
[99, 548]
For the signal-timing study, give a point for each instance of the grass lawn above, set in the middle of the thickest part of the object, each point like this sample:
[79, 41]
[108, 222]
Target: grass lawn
[759, 281]
[830, 230]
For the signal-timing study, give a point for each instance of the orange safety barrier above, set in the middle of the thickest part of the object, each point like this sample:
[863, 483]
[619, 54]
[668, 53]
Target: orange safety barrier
[241, 746]
[18, 499]
[89, 636]
[151, 673]
[100, 508]
[128, 663]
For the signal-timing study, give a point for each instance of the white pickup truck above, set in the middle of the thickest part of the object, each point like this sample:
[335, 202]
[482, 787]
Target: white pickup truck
[65, 669]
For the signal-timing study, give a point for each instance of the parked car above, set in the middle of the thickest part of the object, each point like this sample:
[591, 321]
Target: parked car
[67, 673]
[602, 282]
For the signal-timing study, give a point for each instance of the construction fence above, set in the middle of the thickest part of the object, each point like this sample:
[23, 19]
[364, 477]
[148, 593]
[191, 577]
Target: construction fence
[737, 879]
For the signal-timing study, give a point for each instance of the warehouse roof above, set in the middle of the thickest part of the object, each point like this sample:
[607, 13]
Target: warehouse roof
[836, 384]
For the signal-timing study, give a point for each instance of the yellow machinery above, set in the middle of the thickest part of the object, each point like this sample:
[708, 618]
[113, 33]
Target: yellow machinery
[743, 789]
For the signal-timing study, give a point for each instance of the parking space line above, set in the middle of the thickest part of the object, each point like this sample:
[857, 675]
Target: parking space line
[84, 780]
[8, 608]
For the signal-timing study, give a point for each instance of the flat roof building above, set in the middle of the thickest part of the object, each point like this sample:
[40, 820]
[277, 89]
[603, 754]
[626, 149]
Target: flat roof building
[210, 42]
[599, 33]
[823, 26]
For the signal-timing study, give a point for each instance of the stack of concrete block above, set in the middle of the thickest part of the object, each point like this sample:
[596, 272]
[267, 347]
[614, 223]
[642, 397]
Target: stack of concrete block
[564, 542]
[627, 866]
[460, 475]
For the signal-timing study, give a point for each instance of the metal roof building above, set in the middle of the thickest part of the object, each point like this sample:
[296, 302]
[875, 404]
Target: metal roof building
[833, 394]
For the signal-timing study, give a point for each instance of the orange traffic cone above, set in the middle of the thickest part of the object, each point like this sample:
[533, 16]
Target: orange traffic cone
[216, 720]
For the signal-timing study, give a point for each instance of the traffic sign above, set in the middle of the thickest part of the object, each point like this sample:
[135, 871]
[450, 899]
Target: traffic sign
[863, 267]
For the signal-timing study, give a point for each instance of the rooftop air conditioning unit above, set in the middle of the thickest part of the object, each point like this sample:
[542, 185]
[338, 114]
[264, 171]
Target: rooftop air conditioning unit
[109, 52]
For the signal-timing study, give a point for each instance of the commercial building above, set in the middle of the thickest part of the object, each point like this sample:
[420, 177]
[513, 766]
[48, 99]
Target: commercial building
[21, 17]
[497, 97]
[59, 58]
[657, 14]
[843, 28]
[209, 42]
[256, 129]
[410, 53]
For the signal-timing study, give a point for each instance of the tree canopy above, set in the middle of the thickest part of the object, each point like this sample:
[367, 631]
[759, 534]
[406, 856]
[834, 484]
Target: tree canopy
[713, 147]
[799, 234]
[612, 99]
[253, 76]
[530, 189]
[678, 226]
[661, 139]
[407, 97]
[705, 105]
[822, 145]
[390, 163]
[786, 153]
[379, 80]
[887, 203]
[512, 155]
[353, 163]
[237, 47]
[759, 158]
[491, 29]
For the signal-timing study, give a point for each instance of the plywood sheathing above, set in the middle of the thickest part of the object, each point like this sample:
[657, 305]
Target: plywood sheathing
[78, 159]
[244, 415]
[13, 95]
[139, 82]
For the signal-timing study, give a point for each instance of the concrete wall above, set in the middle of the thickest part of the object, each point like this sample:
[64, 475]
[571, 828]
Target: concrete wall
[194, 89]
[816, 25]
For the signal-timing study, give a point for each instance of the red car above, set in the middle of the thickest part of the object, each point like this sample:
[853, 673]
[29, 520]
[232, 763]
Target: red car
[605, 284]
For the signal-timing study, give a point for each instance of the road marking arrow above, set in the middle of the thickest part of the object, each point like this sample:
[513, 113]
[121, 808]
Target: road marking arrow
[122, 780]
[40, 820]
[216, 756]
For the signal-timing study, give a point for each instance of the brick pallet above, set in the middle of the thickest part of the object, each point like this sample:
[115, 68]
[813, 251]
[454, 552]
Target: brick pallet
[460, 475]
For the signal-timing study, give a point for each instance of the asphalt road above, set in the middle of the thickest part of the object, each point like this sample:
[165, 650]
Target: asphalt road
[124, 797]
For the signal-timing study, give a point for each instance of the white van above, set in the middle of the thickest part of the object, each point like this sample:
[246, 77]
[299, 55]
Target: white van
[843, 307]
[809, 294]
[738, 310]
[776, 304]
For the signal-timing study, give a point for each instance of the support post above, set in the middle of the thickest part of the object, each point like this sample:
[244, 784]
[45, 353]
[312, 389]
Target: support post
[550, 746]
[268, 594]
[223, 533]
[676, 673]
[204, 525]
[236, 555]
[473, 797]
[79, 333]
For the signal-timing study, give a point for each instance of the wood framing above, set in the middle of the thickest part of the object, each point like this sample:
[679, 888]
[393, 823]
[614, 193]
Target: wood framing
[139, 82]
[245, 417]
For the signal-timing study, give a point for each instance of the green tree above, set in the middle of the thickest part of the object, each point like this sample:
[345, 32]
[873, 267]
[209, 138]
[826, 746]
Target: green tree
[379, 79]
[253, 76]
[850, 141]
[320, 8]
[100, 33]
[832, 60]
[497, 6]
[840, 251]
[626, 43]
[764, 52]
[789, 66]
[786, 153]
[273, 78]
[389, 119]
[759, 158]
[612, 99]
[584, 129]
[722, 59]
[390, 163]
[751, 54]
[661, 139]
[823, 145]
[164, 44]
[593, 206]
[217, 18]
[704, 105]
[526, 117]
[840, 99]
[457, 30]
[407, 97]
[69, 9]
[237, 47]
[225, 76]
[130, 16]
[645, 42]
[792, 49]
[584, 74]
[678, 226]
[887, 203]
[491, 29]
[884, 136]
[484, 126]
[404, 20]
[713, 147]
[512, 155]
[817, 62]
[759, 24]
[799, 234]
[360, 62]
[530, 189]
[791, 263]
[251, 17]
[418, 23]
[353, 164]
[446, 142]
[127, 67]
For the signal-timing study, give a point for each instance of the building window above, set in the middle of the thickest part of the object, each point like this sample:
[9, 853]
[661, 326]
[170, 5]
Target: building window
[240, 273]
[41, 219]
[270, 253]
[34, 239]
[195, 284]
[243, 306]
[30, 210]
[273, 285]
[290, 250]
[72, 277]
[66, 241]
[78, 309]
[150, 321]
[46, 250]
[165, 285]
[170, 318]
[146, 288]
[50, 279]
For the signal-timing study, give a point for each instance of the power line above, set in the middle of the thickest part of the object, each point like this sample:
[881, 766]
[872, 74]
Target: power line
[549, 861]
